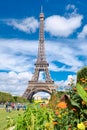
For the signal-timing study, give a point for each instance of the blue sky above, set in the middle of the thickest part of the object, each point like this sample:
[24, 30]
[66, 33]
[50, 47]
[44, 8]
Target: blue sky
[65, 28]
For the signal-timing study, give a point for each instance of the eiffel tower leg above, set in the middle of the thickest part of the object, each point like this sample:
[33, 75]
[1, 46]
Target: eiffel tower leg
[36, 75]
[48, 78]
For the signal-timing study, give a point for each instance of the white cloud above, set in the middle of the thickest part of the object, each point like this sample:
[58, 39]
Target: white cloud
[83, 34]
[65, 54]
[42, 94]
[56, 25]
[28, 25]
[71, 10]
[18, 58]
[60, 26]
[70, 6]
[63, 84]
[19, 54]
[13, 82]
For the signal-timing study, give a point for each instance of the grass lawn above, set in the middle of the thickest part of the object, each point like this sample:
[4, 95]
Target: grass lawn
[3, 114]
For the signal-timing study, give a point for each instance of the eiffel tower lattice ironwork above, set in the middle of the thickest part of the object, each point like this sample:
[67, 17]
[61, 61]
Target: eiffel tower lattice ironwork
[41, 64]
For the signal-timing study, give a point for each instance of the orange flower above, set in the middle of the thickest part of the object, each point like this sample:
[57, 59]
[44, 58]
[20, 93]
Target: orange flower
[55, 122]
[62, 105]
[83, 103]
[83, 81]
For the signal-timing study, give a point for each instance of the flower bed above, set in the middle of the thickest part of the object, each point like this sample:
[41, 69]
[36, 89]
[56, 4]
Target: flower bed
[66, 113]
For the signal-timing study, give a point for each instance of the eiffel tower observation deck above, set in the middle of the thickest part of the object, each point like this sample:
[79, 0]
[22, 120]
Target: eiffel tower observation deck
[41, 65]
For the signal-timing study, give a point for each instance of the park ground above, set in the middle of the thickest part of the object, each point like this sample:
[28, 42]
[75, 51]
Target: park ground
[5, 115]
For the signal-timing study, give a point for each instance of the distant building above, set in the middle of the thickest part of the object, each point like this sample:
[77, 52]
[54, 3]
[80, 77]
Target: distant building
[37, 97]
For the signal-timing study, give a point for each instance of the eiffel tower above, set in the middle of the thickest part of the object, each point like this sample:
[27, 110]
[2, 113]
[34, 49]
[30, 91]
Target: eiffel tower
[41, 65]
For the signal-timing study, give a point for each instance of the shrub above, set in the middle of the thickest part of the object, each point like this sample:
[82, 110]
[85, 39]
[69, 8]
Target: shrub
[36, 118]
[82, 76]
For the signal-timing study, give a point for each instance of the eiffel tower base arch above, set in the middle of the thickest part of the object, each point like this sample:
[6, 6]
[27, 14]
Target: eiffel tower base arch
[34, 88]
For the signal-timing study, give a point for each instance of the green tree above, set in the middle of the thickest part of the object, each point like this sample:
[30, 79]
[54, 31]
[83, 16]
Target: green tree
[4, 97]
[20, 99]
[7, 97]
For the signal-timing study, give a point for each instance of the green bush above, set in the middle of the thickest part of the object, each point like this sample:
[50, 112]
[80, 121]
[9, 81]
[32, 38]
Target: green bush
[36, 118]
[82, 76]
[4, 97]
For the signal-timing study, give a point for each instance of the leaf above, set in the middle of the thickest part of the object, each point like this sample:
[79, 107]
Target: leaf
[82, 93]
[74, 103]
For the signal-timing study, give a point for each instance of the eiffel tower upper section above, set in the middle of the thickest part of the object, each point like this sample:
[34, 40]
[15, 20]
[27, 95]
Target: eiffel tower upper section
[41, 63]
[41, 59]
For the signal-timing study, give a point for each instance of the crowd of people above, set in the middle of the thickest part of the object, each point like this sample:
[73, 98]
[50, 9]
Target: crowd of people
[9, 106]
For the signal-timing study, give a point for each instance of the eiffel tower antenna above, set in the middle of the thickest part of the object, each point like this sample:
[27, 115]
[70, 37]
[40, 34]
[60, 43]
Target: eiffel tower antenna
[41, 64]
[41, 9]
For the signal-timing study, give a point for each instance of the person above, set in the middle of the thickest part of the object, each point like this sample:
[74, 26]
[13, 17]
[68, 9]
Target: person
[13, 105]
[18, 107]
[6, 106]
[24, 107]
[8, 109]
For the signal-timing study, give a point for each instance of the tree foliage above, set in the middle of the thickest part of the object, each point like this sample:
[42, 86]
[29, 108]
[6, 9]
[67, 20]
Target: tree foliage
[82, 76]
[4, 97]
[20, 99]
[7, 97]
